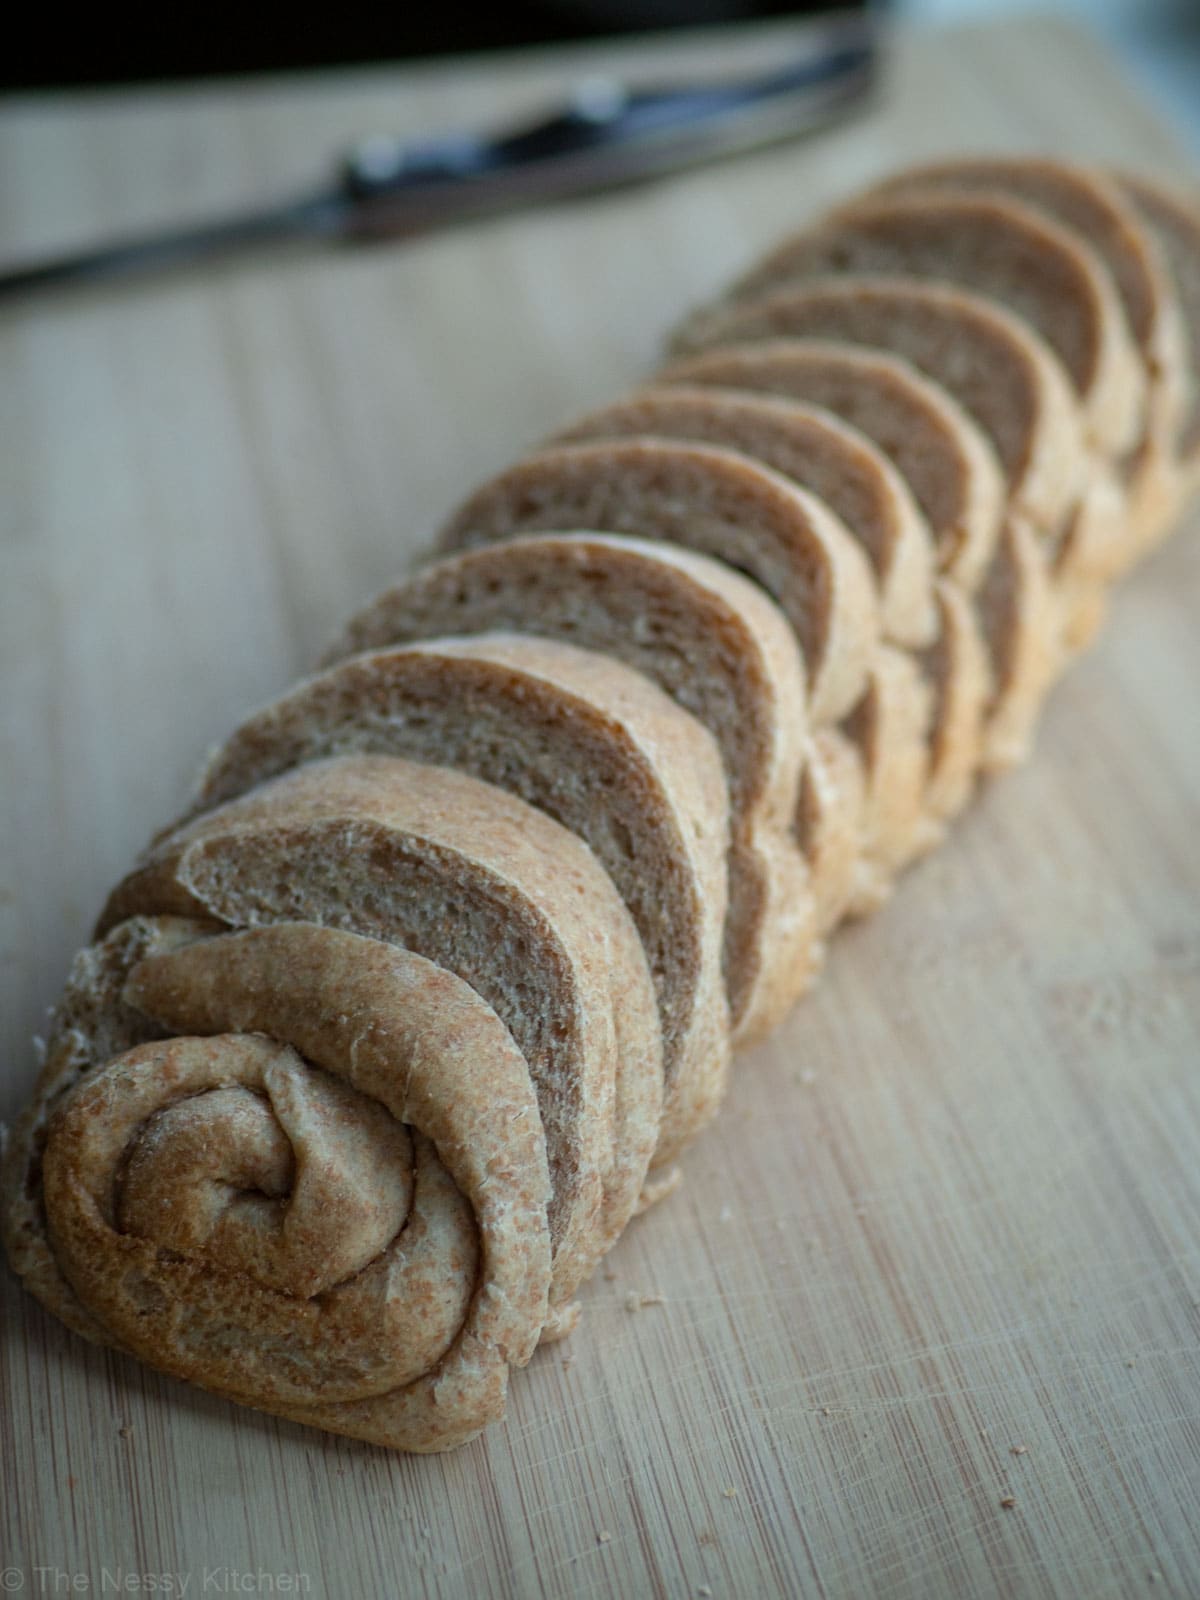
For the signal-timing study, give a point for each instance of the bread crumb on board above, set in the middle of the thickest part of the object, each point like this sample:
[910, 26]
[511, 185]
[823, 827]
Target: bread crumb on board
[1018, 1449]
[604, 1537]
[638, 1302]
[1008, 1503]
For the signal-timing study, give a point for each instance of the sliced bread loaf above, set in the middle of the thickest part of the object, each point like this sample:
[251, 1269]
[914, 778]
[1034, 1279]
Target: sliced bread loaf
[327, 1200]
[948, 464]
[1000, 372]
[1173, 217]
[587, 740]
[710, 639]
[958, 481]
[819, 451]
[1001, 248]
[721, 504]
[1091, 204]
[893, 718]
[484, 886]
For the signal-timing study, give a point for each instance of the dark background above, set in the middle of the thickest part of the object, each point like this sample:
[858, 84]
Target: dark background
[121, 45]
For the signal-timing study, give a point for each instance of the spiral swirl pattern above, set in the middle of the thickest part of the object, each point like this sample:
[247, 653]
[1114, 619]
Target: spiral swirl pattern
[328, 1196]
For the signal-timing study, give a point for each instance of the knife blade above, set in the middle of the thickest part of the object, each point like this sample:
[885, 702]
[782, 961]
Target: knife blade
[607, 135]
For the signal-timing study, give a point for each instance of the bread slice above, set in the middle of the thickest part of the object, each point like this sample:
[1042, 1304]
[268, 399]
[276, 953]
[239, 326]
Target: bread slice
[959, 670]
[831, 827]
[722, 502]
[1091, 204]
[707, 637]
[962, 492]
[891, 728]
[948, 464]
[478, 883]
[1000, 248]
[1002, 375]
[587, 740]
[820, 452]
[1173, 217]
[892, 720]
[328, 1200]
[719, 503]
[958, 481]
[1020, 614]
[1006, 378]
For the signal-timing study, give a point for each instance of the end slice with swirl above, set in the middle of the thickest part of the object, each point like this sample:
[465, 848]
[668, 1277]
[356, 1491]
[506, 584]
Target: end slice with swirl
[323, 1193]
[707, 637]
[486, 887]
[586, 740]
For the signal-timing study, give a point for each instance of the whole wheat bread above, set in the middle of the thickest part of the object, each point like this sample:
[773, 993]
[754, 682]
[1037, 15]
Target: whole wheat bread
[587, 740]
[717, 502]
[707, 637]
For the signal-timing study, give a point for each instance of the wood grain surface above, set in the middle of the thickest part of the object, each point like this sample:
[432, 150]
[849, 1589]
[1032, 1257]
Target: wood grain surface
[929, 1307]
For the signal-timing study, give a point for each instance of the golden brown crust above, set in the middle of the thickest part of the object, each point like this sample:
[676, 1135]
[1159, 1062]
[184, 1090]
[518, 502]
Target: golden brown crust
[831, 827]
[1172, 216]
[959, 669]
[1022, 622]
[891, 730]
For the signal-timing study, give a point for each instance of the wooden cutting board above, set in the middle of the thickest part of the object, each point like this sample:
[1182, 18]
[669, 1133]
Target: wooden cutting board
[941, 1249]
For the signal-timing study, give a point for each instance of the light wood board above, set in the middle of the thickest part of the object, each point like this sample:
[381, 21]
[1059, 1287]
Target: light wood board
[950, 1213]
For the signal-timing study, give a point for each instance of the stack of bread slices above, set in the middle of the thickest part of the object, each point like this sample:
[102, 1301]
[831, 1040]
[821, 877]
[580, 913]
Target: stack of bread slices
[383, 1043]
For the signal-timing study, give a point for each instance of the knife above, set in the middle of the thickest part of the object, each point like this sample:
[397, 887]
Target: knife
[605, 136]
